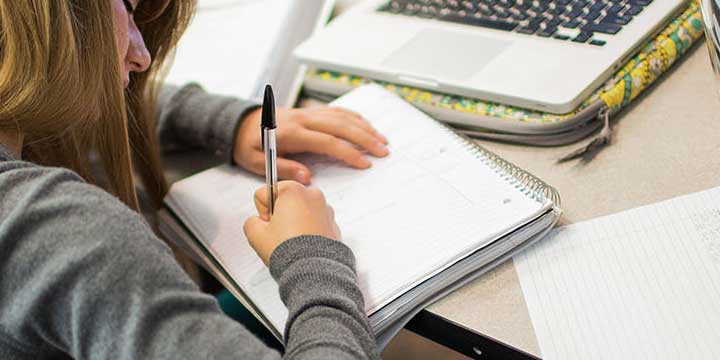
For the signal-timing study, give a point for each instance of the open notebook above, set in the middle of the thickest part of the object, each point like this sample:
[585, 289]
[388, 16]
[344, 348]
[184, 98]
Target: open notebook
[434, 214]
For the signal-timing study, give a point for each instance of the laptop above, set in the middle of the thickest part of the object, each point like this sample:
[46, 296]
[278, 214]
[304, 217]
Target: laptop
[545, 55]
[235, 47]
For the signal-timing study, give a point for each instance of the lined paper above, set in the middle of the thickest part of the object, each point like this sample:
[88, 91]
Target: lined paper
[430, 203]
[640, 284]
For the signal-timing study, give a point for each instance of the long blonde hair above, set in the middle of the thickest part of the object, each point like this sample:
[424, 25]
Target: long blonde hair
[61, 87]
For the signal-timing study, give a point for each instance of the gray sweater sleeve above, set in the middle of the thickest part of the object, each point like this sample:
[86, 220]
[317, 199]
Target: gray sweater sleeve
[189, 117]
[82, 275]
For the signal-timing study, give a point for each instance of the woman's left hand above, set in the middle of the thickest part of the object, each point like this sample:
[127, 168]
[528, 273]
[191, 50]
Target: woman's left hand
[330, 131]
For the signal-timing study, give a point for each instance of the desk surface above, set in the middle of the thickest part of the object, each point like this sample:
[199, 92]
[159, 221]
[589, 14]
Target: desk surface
[665, 145]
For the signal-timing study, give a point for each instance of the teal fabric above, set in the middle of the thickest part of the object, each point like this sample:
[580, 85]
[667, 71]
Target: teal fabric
[234, 309]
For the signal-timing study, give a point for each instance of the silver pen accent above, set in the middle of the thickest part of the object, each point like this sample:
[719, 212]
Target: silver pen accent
[271, 176]
[269, 145]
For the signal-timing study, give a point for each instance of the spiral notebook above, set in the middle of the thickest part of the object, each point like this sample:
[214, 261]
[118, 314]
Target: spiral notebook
[433, 215]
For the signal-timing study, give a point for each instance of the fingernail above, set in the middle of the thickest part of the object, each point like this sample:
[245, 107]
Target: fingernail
[381, 149]
[302, 176]
[364, 162]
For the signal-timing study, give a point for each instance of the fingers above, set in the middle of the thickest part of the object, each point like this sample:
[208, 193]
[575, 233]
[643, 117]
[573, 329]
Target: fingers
[293, 170]
[347, 130]
[287, 169]
[359, 121]
[321, 143]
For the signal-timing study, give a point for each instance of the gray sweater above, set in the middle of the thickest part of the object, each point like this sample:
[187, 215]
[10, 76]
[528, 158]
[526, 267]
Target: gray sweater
[82, 276]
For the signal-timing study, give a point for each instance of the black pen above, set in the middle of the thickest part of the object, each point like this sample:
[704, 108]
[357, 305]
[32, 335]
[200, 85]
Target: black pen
[268, 126]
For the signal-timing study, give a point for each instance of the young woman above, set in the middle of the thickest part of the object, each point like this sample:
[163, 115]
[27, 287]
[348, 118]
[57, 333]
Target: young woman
[81, 273]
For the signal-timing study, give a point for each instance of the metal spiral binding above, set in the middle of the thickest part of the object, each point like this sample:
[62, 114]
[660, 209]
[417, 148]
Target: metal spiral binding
[522, 180]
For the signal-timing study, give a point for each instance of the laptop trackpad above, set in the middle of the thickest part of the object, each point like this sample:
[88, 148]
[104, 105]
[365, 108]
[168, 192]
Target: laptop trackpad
[436, 53]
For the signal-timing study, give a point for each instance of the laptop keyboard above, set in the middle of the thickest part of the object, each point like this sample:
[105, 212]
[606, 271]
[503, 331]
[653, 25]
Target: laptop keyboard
[569, 20]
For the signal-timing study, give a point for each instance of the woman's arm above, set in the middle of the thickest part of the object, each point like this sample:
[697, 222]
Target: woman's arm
[318, 285]
[81, 274]
[189, 117]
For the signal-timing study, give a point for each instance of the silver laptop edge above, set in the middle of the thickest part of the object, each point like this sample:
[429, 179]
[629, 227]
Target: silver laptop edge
[441, 56]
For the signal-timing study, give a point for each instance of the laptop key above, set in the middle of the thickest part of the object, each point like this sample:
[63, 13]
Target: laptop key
[604, 28]
[617, 19]
[453, 5]
[597, 6]
[527, 30]
[533, 25]
[411, 10]
[477, 21]
[554, 21]
[583, 37]
[502, 13]
[557, 11]
[634, 10]
[524, 5]
[592, 15]
[616, 9]
[468, 5]
[575, 12]
[573, 24]
[519, 16]
[392, 7]
[548, 31]
[487, 12]
[428, 11]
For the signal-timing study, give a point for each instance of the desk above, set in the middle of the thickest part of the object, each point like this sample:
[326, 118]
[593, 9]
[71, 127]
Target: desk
[665, 145]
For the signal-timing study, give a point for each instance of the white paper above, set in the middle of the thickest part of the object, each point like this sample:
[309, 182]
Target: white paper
[641, 284]
[228, 44]
[414, 213]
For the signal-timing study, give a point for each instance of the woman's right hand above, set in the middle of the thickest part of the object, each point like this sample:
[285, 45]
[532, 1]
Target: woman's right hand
[298, 211]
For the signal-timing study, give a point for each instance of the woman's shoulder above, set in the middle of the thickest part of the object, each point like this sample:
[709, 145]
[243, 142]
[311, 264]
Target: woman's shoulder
[51, 216]
[57, 201]
[22, 181]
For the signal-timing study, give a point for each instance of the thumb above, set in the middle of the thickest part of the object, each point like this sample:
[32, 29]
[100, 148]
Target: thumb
[261, 203]
[254, 228]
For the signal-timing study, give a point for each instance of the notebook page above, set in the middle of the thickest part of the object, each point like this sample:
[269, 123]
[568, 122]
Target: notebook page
[415, 212]
[640, 284]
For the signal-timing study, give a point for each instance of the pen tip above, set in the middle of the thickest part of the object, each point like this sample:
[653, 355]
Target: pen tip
[268, 111]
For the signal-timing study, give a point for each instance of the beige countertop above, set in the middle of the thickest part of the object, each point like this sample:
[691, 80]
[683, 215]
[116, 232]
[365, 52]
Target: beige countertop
[665, 145]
